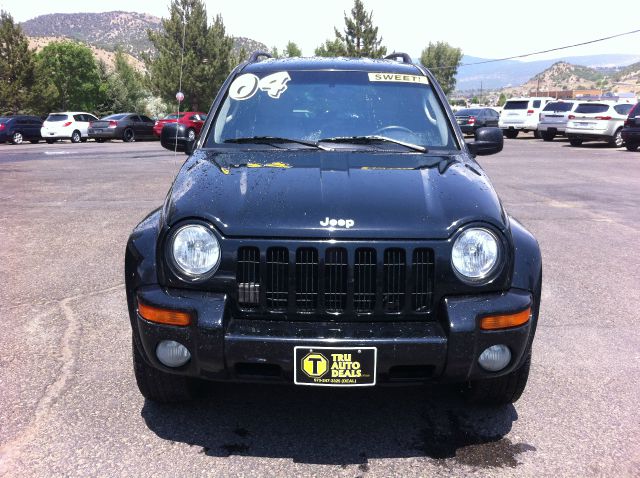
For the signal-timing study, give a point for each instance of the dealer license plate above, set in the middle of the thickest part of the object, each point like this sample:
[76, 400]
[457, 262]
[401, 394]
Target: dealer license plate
[335, 366]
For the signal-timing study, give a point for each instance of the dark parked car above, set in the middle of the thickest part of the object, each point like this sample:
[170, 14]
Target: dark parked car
[331, 227]
[19, 128]
[125, 126]
[472, 119]
[631, 129]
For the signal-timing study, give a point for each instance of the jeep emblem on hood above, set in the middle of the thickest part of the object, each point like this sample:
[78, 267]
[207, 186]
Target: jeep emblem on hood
[346, 223]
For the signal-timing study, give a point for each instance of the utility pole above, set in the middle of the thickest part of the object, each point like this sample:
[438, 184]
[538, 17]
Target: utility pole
[480, 99]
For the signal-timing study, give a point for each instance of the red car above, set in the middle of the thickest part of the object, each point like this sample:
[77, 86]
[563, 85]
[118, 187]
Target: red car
[193, 121]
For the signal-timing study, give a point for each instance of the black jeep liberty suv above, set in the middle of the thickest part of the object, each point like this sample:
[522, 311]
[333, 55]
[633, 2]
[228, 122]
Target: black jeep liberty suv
[331, 227]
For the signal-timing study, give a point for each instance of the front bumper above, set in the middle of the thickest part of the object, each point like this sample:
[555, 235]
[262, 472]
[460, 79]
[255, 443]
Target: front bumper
[223, 347]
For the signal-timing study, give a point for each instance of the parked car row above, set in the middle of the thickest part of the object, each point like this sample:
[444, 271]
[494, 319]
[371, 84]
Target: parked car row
[78, 126]
[612, 121]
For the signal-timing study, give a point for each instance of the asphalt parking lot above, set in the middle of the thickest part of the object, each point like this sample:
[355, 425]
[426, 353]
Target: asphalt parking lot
[68, 400]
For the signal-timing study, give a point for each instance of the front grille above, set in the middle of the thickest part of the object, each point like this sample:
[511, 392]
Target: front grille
[277, 287]
[364, 280]
[335, 280]
[393, 292]
[307, 283]
[249, 276]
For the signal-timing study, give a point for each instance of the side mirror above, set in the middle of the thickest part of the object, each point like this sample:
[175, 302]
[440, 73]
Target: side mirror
[174, 138]
[487, 141]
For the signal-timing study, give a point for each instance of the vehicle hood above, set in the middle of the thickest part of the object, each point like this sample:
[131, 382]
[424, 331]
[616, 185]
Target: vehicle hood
[372, 195]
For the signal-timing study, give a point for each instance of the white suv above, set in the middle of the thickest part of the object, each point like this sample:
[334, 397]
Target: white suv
[71, 125]
[598, 121]
[554, 117]
[521, 114]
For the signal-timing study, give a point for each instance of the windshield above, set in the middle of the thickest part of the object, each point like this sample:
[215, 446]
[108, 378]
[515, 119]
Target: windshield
[558, 107]
[173, 116]
[315, 105]
[56, 117]
[114, 117]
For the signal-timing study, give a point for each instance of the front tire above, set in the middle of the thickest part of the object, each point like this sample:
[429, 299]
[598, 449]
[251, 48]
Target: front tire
[500, 390]
[50, 141]
[99, 140]
[34, 141]
[536, 134]
[546, 136]
[575, 142]
[76, 137]
[17, 138]
[159, 386]
[632, 147]
[128, 136]
[511, 133]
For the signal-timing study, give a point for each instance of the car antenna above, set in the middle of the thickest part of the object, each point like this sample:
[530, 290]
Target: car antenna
[179, 94]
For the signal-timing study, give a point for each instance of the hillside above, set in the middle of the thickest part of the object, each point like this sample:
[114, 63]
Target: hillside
[105, 31]
[566, 76]
[513, 72]
[629, 77]
[101, 30]
[108, 57]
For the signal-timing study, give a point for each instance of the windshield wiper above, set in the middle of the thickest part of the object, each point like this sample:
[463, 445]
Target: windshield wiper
[273, 140]
[371, 139]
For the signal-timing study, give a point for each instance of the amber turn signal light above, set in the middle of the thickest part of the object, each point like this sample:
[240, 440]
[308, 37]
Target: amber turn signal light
[163, 316]
[495, 322]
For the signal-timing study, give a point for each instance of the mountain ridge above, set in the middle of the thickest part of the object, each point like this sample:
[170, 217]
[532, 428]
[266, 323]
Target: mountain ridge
[109, 30]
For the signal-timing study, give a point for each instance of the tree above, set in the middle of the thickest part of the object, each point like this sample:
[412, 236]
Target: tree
[16, 66]
[122, 89]
[292, 50]
[360, 36]
[502, 99]
[207, 55]
[359, 39]
[132, 82]
[332, 48]
[274, 52]
[443, 60]
[67, 78]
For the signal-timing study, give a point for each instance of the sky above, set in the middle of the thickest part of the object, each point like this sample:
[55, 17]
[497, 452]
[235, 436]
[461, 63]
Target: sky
[487, 29]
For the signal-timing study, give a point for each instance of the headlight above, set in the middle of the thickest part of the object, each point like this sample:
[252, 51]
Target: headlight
[475, 254]
[195, 250]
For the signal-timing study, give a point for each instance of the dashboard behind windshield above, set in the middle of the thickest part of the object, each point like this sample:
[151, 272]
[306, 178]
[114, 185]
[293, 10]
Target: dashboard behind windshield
[315, 105]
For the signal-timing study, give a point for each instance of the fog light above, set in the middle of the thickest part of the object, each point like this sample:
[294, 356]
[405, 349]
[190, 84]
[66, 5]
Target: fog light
[172, 353]
[495, 358]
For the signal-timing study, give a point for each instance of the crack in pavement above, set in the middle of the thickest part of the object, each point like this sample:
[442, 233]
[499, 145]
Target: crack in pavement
[11, 450]
[45, 302]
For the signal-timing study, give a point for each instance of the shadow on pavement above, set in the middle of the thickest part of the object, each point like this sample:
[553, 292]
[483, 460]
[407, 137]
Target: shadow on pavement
[339, 427]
